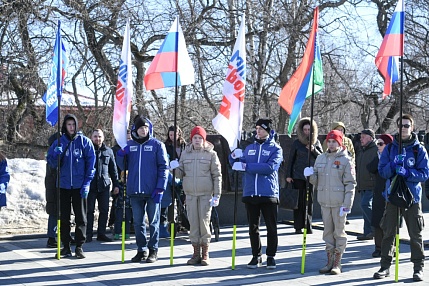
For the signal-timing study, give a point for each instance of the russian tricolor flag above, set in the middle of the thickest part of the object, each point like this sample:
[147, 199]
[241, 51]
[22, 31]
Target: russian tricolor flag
[299, 86]
[171, 58]
[392, 47]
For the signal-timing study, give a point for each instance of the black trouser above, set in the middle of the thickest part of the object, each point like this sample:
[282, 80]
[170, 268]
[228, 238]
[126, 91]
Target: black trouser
[299, 214]
[68, 198]
[102, 196]
[269, 211]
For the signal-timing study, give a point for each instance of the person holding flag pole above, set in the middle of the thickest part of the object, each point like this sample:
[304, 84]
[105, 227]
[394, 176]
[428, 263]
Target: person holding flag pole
[229, 120]
[52, 98]
[404, 161]
[306, 81]
[171, 67]
[122, 111]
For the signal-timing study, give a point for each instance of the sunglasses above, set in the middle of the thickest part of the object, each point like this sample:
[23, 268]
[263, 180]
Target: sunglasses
[405, 125]
[380, 143]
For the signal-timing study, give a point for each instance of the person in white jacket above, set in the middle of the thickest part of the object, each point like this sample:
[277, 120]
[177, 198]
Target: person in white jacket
[199, 168]
[333, 176]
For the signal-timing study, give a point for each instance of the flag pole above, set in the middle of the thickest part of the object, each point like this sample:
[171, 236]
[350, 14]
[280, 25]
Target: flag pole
[399, 152]
[124, 208]
[234, 228]
[307, 183]
[59, 81]
[176, 95]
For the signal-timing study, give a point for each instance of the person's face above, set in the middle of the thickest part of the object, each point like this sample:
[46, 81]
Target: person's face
[71, 126]
[97, 138]
[406, 129]
[197, 141]
[333, 145]
[306, 130]
[128, 135]
[365, 139]
[380, 145]
[171, 135]
[143, 131]
[340, 129]
[261, 132]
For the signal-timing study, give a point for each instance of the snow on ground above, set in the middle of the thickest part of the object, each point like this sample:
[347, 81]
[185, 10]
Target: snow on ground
[25, 211]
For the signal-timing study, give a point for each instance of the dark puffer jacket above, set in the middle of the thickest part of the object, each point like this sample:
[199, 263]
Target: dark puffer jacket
[298, 155]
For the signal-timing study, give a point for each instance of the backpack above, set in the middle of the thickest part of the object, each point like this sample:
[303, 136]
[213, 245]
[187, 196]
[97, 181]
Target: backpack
[399, 193]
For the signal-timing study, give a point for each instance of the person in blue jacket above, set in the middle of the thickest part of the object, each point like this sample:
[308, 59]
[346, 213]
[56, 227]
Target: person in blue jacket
[147, 165]
[4, 179]
[260, 163]
[77, 159]
[412, 164]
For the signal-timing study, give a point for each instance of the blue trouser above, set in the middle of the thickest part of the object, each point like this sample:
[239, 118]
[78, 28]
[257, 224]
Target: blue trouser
[366, 206]
[141, 204]
[102, 196]
[119, 217]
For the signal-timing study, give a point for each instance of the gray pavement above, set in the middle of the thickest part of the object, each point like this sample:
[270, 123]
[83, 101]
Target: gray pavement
[24, 260]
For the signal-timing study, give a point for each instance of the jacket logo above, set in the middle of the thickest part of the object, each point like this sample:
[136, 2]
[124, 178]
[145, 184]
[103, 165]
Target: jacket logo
[133, 148]
[337, 164]
[411, 162]
[148, 148]
[77, 152]
[251, 152]
[265, 153]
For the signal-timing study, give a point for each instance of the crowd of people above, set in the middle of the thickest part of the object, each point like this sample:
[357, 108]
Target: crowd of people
[90, 171]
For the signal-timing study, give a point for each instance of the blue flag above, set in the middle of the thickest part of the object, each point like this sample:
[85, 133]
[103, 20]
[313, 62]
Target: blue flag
[52, 97]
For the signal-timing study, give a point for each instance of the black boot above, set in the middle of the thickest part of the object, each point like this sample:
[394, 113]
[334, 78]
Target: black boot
[141, 255]
[153, 256]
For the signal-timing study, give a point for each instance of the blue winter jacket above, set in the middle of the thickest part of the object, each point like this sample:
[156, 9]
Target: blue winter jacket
[4, 179]
[418, 168]
[262, 165]
[147, 166]
[77, 165]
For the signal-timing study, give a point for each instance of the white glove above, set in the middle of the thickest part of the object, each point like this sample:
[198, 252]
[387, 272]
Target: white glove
[308, 171]
[239, 166]
[2, 188]
[344, 211]
[174, 164]
[237, 153]
[214, 202]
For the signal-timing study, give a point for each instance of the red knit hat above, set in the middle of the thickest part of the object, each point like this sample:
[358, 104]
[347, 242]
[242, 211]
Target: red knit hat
[387, 138]
[336, 135]
[200, 131]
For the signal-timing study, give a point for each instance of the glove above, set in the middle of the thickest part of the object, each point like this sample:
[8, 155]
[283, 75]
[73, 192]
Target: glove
[157, 195]
[401, 171]
[237, 153]
[344, 211]
[400, 158]
[239, 166]
[214, 202]
[58, 150]
[174, 164]
[84, 192]
[123, 152]
[308, 171]
[2, 188]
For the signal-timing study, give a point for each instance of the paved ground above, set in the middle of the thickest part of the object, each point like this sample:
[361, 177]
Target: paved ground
[24, 260]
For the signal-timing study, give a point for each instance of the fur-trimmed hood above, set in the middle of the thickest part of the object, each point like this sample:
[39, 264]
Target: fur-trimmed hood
[301, 136]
